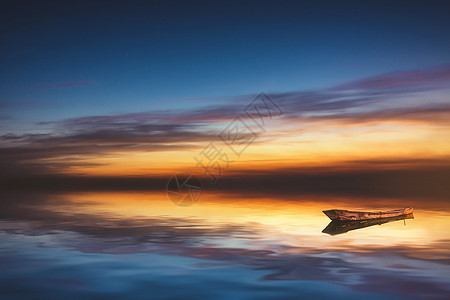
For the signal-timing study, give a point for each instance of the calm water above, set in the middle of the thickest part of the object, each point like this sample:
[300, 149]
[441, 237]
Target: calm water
[227, 246]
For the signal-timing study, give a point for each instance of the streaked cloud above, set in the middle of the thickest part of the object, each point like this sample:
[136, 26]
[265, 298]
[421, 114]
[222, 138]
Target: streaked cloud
[430, 78]
[409, 97]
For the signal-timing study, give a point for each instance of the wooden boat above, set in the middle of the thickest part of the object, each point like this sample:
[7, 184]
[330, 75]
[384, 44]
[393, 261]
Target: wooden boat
[346, 215]
[338, 227]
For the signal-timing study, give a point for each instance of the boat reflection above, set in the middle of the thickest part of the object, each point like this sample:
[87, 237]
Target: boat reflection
[336, 227]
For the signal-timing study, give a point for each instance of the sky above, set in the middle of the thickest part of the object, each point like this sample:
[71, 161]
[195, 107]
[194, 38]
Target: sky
[140, 88]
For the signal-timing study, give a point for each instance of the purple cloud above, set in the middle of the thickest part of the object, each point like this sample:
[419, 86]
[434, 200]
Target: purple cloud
[168, 130]
[434, 77]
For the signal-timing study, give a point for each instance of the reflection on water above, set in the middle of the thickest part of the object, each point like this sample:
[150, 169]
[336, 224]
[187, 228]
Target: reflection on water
[227, 246]
[338, 227]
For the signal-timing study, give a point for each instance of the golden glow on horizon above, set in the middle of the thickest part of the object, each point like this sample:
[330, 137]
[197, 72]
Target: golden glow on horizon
[322, 146]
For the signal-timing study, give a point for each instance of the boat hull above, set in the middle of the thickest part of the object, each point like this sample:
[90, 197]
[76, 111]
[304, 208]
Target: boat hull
[346, 215]
[338, 227]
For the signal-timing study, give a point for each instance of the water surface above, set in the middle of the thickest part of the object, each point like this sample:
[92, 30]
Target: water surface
[227, 246]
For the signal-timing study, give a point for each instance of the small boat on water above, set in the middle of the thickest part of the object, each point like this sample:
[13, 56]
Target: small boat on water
[338, 227]
[347, 215]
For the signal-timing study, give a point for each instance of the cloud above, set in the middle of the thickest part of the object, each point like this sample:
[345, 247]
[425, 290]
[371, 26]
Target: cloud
[428, 114]
[77, 146]
[431, 78]
[371, 100]
[324, 103]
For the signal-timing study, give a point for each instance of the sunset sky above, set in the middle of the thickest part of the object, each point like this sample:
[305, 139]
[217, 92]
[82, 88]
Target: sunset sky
[106, 90]
[188, 149]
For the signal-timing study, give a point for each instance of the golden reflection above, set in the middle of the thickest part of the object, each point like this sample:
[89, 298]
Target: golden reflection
[294, 222]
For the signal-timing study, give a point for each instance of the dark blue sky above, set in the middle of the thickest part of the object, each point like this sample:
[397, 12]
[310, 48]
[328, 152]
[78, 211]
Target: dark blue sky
[60, 59]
